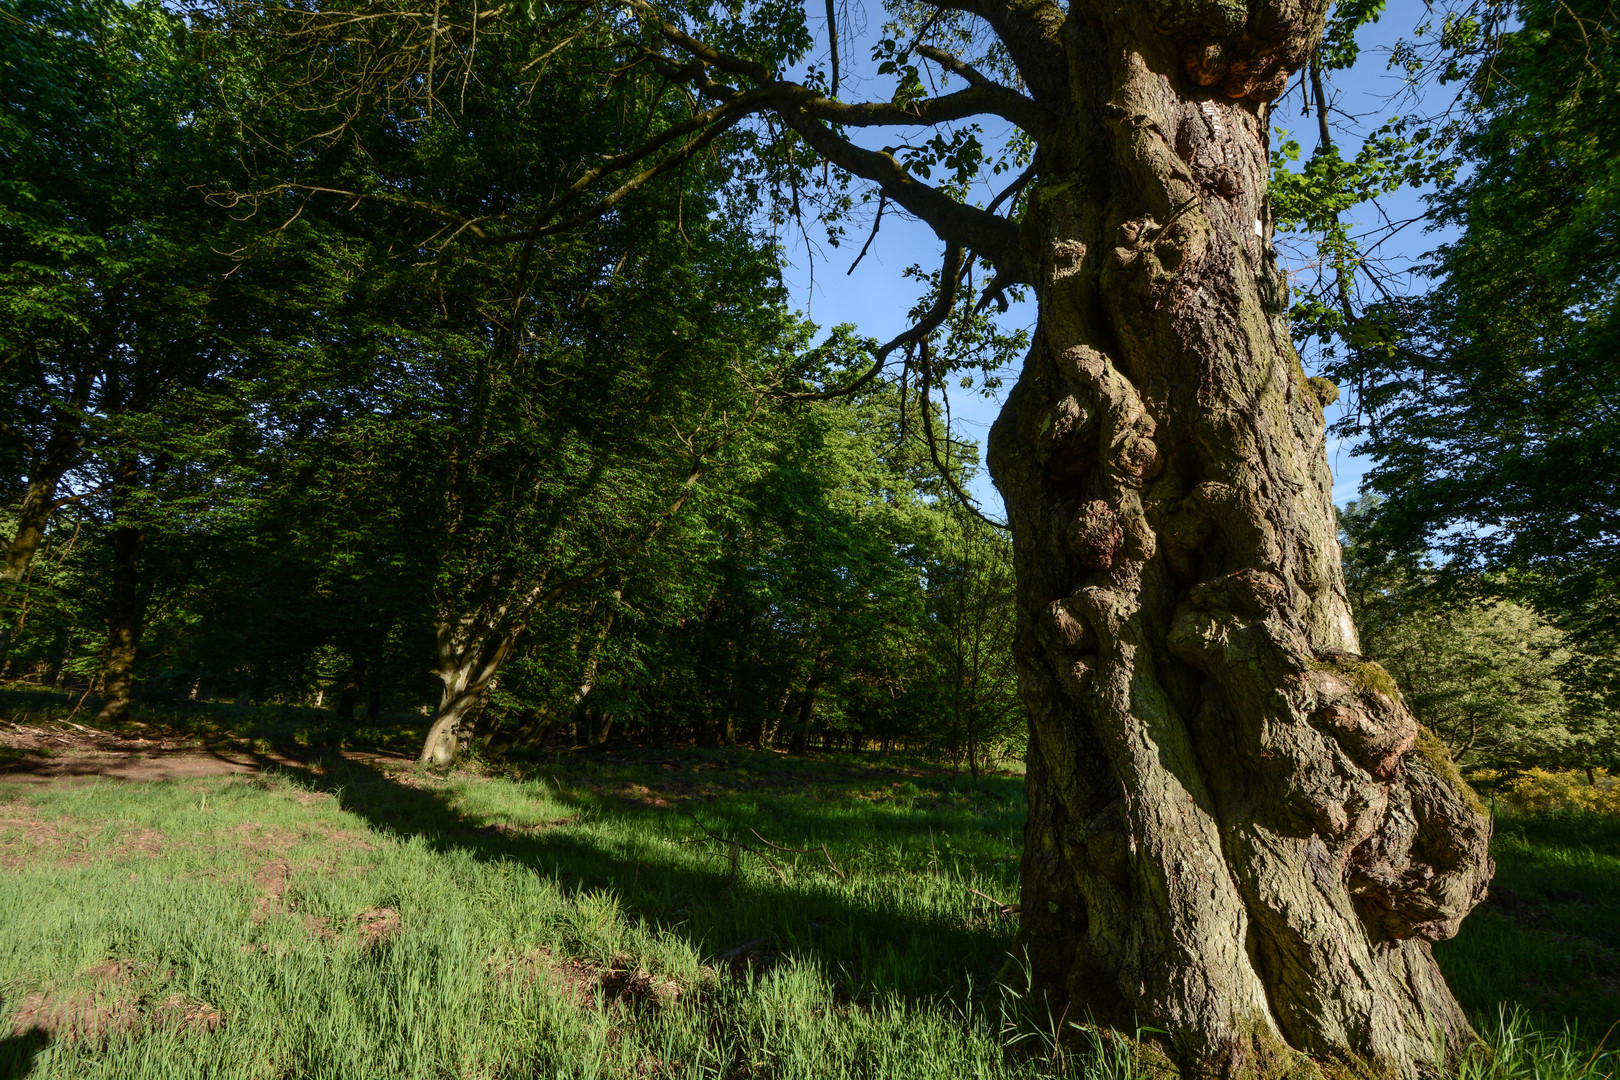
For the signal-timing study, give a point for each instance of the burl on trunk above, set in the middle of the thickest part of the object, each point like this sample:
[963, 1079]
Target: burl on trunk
[1237, 832]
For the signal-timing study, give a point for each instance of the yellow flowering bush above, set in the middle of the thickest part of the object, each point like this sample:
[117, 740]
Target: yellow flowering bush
[1540, 791]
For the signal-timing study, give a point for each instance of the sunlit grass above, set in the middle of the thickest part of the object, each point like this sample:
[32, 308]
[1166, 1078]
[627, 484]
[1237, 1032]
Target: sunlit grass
[589, 919]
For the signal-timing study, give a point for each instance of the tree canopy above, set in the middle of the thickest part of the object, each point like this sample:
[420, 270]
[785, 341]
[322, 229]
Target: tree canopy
[1483, 403]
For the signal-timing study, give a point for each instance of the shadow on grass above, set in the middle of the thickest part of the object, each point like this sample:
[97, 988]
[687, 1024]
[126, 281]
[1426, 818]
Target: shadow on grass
[219, 722]
[19, 1052]
[1548, 937]
[1548, 943]
[867, 941]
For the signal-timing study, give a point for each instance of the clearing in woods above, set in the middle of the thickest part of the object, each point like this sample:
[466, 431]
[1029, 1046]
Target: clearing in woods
[174, 909]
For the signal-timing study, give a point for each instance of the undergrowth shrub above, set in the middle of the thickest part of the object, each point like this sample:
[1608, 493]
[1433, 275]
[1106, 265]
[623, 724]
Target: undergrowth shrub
[1540, 791]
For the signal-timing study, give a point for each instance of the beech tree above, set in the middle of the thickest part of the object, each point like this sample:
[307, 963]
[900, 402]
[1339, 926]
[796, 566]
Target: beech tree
[126, 299]
[1237, 834]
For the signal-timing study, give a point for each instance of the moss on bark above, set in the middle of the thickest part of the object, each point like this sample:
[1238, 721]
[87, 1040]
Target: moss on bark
[1367, 676]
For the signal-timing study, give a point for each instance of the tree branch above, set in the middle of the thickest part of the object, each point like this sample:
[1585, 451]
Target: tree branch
[877, 222]
[1032, 32]
[950, 275]
[994, 238]
[972, 507]
[832, 39]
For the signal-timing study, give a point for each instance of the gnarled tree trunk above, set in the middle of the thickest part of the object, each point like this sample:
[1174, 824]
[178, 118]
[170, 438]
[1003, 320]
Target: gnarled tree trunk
[1237, 832]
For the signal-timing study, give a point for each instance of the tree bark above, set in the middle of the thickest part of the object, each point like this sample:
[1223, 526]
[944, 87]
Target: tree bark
[33, 515]
[38, 501]
[458, 701]
[800, 742]
[470, 656]
[1230, 837]
[125, 617]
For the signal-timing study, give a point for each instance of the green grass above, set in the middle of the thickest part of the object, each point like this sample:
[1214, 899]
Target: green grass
[579, 921]
[1549, 939]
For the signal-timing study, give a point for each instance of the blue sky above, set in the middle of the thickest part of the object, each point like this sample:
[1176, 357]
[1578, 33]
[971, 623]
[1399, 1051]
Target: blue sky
[876, 297]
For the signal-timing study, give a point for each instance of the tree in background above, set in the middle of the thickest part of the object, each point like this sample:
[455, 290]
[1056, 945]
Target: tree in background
[551, 405]
[1184, 644]
[126, 298]
[1489, 677]
[409, 437]
[972, 587]
[1486, 405]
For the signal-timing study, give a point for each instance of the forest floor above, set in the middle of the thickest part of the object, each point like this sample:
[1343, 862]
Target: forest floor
[170, 908]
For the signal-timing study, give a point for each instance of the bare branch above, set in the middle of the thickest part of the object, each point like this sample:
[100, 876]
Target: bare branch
[832, 39]
[992, 237]
[972, 507]
[949, 276]
[877, 222]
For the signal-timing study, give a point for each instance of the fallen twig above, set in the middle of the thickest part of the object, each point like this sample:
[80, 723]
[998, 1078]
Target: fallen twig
[1002, 909]
[804, 851]
[734, 846]
[841, 875]
[80, 705]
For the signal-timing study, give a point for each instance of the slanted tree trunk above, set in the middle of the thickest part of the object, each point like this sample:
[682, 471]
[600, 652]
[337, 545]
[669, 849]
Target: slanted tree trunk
[468, 661]
[470, 656]
[32, 516]
[807, 707]
[39, 497]
[1237, 832]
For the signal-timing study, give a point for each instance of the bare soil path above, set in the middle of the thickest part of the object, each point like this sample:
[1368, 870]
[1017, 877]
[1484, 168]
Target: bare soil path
[66, 753]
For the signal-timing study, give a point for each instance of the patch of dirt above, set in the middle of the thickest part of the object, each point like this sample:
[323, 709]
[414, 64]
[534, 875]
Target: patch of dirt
[75, 1017]
[271, 880]
[24, 829]
[346, 840]
[377, 925]
[113, 971]
[72, 752]
[374, 926]
[641, 795]
[258, 839]
[26, 837]
[75, 753]
[621, 983]
[177, 1012]
[94, 1016]
[148, 843]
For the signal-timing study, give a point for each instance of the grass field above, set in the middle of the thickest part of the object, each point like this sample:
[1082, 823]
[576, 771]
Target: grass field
[355, 919]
